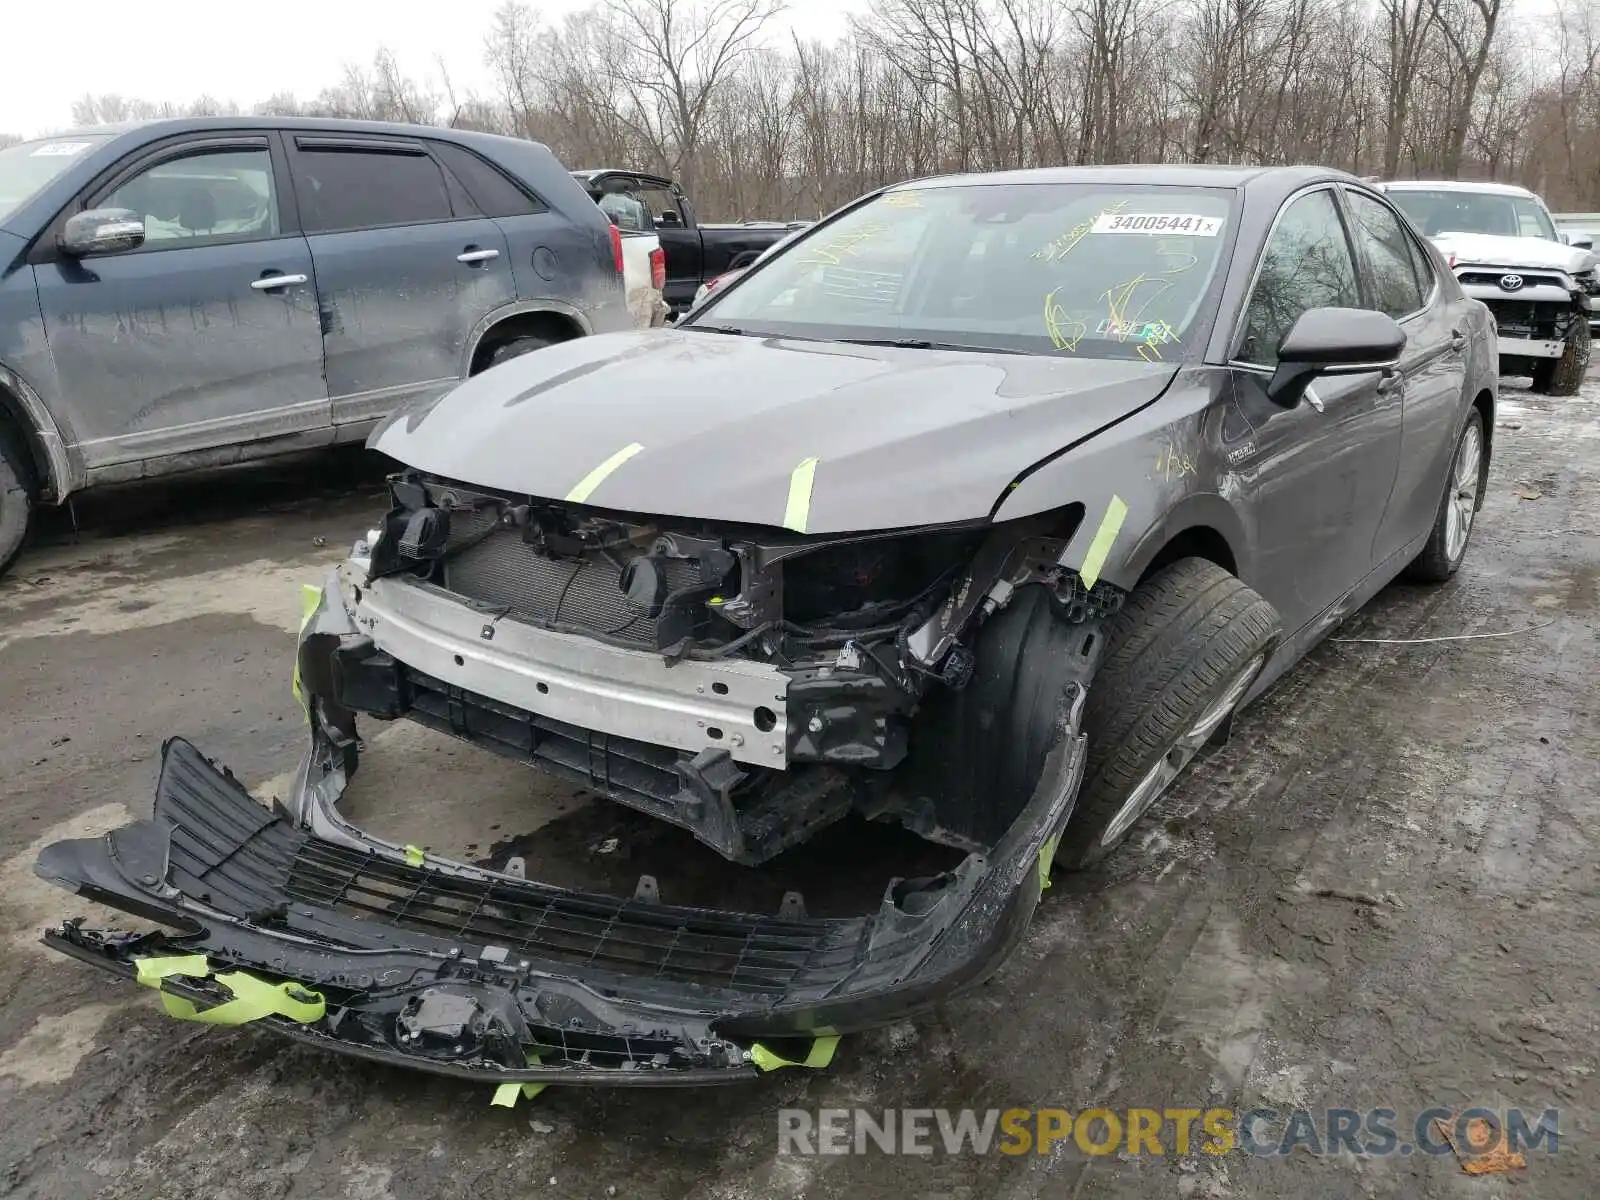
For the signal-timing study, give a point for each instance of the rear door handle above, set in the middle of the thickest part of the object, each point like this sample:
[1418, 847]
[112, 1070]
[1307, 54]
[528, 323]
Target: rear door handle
[477, 256]
[1458, 341]
[269, 282]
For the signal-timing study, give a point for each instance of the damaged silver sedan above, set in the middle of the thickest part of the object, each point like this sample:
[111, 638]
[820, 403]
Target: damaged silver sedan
[980, 508]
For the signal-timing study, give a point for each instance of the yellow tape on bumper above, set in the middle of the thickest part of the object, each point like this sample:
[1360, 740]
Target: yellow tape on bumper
[798, 511]
[507, 1093]
[821, 1055]
[1110, 526]
[310, 597]
[586, 486]
[1047, 859]
[252, 998]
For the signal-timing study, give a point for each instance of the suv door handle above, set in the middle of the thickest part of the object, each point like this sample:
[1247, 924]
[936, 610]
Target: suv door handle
[1458, 341]
[476, 256]
[1391, 381]
[268, 282]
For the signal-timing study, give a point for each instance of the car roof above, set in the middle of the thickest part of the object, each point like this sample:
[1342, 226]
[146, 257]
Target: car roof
[166, 126]
[1455, 185]
[1180, 175]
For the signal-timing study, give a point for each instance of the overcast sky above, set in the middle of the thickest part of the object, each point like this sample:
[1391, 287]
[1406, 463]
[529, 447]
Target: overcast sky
[179, 49]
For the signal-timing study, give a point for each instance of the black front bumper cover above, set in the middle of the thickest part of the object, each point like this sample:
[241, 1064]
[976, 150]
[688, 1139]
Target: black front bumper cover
[477, 975]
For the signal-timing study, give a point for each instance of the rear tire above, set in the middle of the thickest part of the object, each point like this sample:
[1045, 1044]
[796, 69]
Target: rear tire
[1446, 546]
[1564, 376]
[1182, 652]
[516, 348]
[16, 497]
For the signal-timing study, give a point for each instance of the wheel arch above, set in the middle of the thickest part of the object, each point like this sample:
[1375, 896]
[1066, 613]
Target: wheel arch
[518, 320]
[24, 417]
[1198, 526]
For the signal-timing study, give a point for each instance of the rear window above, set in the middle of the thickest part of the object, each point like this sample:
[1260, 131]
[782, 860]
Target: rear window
[1098, 270]
[27, 167]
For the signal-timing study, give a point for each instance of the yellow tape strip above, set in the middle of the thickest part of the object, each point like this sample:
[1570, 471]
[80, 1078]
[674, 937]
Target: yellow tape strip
[600, 474]
[252, 998]
[506, 1094]
[798, 511]
[1047, 859]
[310, 597]
[414, 857]
[821, 1055]
[1110, 526]
[151, 971]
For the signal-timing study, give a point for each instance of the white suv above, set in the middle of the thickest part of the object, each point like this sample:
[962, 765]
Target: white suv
[1506, 250]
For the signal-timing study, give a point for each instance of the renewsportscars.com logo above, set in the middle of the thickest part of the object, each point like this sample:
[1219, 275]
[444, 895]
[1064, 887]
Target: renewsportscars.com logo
[1264, 1132]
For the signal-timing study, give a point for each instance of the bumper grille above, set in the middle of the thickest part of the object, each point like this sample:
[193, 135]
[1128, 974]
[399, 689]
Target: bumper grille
[744, 954]
[505, 572]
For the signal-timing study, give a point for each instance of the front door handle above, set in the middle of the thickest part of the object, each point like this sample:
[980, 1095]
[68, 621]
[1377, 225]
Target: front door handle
[477, 256]
[1391, 381]
[268, 282]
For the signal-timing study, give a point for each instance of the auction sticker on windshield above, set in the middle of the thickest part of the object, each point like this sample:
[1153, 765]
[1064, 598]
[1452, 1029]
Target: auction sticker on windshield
[60, 149]
[1195, 226]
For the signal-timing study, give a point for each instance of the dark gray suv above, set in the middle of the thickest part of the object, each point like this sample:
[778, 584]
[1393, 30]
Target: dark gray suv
[192, 293]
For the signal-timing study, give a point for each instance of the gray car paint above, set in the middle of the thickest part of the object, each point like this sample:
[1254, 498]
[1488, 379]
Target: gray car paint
[901, 437]
[1317, 505]
[164, 358]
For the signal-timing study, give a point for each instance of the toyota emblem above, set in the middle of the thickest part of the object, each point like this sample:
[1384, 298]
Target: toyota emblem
[1511, 283]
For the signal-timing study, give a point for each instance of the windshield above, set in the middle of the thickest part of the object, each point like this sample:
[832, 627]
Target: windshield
[1100, 270]
[1438, 213]
[26, 167]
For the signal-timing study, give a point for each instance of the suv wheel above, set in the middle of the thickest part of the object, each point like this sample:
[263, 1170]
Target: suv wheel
[1564, 376]
[16, 497]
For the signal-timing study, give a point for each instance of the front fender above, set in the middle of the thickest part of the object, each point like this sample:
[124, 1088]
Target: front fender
[1143, 482]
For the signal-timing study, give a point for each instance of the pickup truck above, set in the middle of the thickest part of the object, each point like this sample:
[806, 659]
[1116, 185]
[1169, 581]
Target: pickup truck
[695, 252]
[1541, 282]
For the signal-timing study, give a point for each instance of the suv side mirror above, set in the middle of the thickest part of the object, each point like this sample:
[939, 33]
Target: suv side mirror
[1333, 341]
[102, 231]
[1582, 241]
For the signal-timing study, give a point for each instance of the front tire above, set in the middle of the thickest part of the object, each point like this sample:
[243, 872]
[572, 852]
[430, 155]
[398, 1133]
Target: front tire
[16, 498]
[1446, 546]
[1182, 653]
[1564, 376]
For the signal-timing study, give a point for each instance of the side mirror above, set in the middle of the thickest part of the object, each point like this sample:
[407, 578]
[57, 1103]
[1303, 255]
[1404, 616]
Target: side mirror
[102, 231]
[1333, 341]
[1578, 240]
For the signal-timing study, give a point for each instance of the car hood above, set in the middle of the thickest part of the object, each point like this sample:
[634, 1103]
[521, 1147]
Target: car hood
[1493, 251]
[821, 437]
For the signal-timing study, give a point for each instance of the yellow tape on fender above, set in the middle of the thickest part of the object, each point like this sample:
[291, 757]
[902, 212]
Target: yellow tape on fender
[1110, 526]
[251, 998]
[820, 1056]
[310, 598]
[797, 512]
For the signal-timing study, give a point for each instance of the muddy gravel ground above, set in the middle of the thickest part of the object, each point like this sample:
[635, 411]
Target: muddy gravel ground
[1381, 893]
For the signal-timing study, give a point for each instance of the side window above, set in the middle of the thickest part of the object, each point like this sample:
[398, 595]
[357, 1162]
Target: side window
[342, 189]
[1533, 221]
[208, 194]
[1423, 265]
[1306, 264]
[1394, 278]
